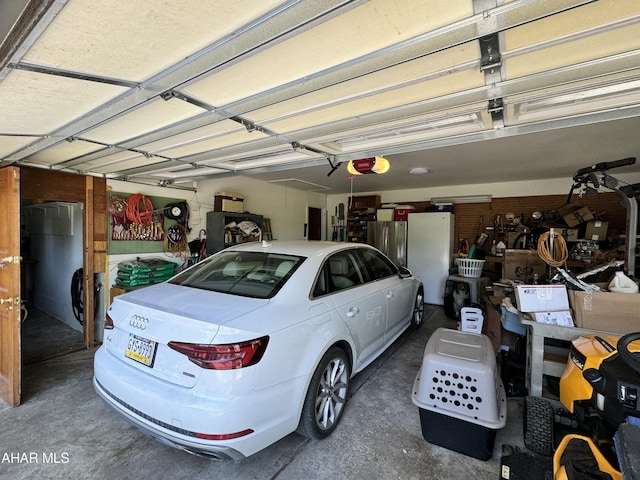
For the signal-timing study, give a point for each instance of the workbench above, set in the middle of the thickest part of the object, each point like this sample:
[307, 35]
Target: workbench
[537, 363]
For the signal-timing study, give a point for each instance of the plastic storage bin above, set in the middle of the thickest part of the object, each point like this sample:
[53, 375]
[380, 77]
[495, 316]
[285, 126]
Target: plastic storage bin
[459, 393]
[510, 319]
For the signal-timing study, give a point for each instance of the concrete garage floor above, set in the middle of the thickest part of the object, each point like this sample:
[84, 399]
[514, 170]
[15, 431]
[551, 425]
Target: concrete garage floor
[44, 337]
[63, 430]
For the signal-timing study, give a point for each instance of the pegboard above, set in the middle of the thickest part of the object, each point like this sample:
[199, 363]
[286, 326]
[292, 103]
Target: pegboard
[126, 236]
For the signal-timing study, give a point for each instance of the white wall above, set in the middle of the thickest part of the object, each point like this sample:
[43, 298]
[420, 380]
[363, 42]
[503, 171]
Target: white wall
[286, 208]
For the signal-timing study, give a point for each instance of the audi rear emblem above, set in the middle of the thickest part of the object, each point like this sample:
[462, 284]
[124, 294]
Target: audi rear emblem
[139, 322]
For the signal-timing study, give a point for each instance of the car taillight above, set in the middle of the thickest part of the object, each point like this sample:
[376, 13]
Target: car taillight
[223, 436]
[108, 322]
[223, 357]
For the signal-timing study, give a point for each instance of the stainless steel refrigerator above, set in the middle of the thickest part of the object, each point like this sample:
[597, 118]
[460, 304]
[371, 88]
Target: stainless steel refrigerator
[430, 249]
[390, 238]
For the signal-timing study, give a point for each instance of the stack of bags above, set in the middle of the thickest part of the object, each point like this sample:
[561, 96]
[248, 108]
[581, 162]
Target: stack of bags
[140, 272]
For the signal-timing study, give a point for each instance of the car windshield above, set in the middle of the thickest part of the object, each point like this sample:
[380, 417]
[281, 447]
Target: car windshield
[248, 274]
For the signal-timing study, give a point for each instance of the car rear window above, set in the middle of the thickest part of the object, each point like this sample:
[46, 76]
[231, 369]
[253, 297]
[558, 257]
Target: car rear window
[248, 274]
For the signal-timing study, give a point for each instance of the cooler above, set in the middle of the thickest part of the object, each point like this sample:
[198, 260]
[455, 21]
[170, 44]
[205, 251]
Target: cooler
[402, 212]
[459, 393]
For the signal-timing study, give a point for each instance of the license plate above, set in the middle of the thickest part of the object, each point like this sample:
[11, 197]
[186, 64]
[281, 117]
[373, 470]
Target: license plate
[141, 350]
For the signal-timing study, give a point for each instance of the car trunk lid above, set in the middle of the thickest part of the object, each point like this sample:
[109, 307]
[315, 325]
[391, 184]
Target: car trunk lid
[145, 321]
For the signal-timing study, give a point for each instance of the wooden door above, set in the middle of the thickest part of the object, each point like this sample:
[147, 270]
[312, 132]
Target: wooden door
[315, 223]
[10, 285]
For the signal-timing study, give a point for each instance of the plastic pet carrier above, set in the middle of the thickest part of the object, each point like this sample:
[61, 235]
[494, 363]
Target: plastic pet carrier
[458, 391]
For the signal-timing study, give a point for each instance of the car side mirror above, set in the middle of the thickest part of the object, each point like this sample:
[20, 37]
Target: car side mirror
[404, 272]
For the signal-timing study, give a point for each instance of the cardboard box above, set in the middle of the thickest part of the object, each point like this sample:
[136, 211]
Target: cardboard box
[522, 265]
[542, 298]
[606, 311]
[228, 202]
[492, 327]
[114, 292]
[596, 230]
[575, 214]
[384, 214]
[501, 339]
[562, 318]
[569, 234]
[364, 201]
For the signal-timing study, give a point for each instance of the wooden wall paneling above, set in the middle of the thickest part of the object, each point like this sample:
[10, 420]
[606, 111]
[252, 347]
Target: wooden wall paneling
[42, 185]
[100, 228]
[607, 206]
[88, 268]
[10, 365]
[471, 220]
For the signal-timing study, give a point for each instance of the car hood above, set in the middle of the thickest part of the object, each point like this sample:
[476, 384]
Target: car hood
[194, 303]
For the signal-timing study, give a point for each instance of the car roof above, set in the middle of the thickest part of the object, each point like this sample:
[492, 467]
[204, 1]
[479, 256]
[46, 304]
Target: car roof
[306, 248]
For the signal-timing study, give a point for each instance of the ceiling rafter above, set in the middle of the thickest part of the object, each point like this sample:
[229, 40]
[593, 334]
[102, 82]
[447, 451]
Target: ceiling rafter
[293, 15]
[507, 16]
[297, 84]
[515, 130]
[27, 28]
[509, 88]
[58, 72]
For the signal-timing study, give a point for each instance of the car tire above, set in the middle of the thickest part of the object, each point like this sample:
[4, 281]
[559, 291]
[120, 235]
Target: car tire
[538, 423]
[417, 317]
[327, 395]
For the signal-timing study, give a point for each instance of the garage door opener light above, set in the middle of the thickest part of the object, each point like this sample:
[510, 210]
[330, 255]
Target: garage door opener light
[368, 165]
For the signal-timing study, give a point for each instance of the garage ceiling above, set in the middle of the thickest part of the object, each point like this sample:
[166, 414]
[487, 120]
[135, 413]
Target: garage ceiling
[166, 93]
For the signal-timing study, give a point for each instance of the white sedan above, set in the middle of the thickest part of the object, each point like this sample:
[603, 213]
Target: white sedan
[253, 343]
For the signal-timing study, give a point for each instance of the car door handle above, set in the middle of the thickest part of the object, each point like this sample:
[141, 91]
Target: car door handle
[390, 294]
[353, 311]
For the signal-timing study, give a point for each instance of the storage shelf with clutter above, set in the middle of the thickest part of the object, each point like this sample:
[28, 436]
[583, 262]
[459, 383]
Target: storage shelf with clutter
[519, 221]
[225, 229]
[360, 211]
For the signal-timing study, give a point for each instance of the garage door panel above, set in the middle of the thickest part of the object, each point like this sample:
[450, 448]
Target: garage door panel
[130, 39]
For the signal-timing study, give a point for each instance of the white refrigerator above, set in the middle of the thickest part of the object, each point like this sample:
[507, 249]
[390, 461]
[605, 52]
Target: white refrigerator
[430, 249]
